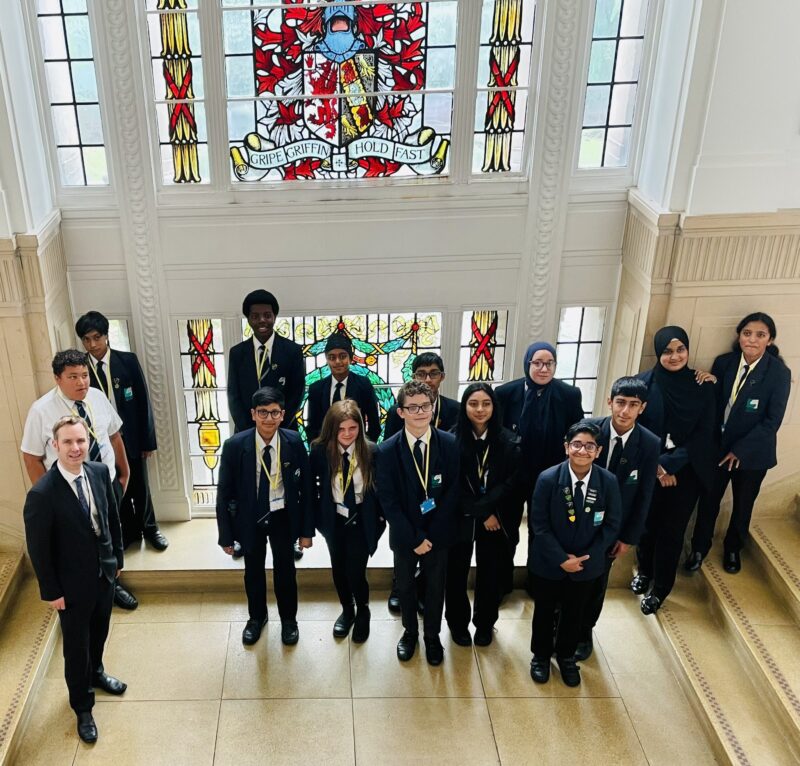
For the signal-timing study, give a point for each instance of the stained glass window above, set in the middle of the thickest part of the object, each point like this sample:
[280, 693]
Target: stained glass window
[503, 71]
[66, 39]
[580, 336]
[328, 91]
[174, 36]
[204, 380]
[613, 82]
[385, 346]
[483, 347]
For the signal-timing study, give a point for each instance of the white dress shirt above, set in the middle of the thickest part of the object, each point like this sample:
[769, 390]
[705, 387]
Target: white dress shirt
[574, 479]
[358, 480]
[105, 380]
[612, 434]
[268, 344]
[70, 477]
[276, 498]
[412, 440]
[751, 367]
[334, 383]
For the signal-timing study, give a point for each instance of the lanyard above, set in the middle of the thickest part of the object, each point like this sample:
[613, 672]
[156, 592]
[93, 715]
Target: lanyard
[261, 363]
[437, 413]
[74, 412]
[277, 475]
[423, 480]
[482, 466]
[740, 383]
[93, 368]
[345, 485]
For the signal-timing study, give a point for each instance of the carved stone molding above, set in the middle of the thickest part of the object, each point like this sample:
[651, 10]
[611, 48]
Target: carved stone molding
[12, 290]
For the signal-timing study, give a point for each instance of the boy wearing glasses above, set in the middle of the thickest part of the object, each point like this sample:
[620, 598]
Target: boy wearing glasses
[417, 481]
[264, 493]
[574, 520]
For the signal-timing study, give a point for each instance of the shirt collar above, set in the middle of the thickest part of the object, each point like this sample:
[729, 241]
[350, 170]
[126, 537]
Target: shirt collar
[69, 476]
[269, 343]
[742, 363]
[412, 440]
[105, 360]
[482, 437]
[574, 478]
[273, 443]
[612, 434]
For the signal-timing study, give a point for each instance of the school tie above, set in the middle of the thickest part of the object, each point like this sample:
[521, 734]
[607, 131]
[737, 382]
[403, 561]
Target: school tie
[577, 497]
[337, 392]
[94, 447]
[263, 482]
[82, 499]
[350, 494]
[736, 389]
[616, 454]
[418, 455]
[101, 374]
[263, 362]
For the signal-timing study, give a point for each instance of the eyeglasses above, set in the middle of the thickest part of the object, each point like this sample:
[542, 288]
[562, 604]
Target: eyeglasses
[433, 375]
[538, 364]
[577, 446]
[414, 409]
[269, 414]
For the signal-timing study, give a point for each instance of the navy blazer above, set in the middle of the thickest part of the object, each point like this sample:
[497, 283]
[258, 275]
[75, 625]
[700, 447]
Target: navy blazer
[359, 389]
[554, 535]
[237, 506]
[564, 397]
[286, 372]
[448, 417]
[133, 402]
[325, 509]
[400, 492]
[636, 475]
[65, 552]
[757, 413]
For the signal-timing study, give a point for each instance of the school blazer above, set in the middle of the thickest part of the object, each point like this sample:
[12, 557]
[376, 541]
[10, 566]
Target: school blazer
[564, 397]
[237, 506]
[286, 372]
[448, 417]
[325, 508]
[636, 475]
[757, 413]
[359, 389]
[133, 402]
[400, 492]
[554, 536]
[66, 554]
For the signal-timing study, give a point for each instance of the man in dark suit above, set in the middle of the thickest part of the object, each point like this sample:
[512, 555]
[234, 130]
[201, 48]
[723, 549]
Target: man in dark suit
[630, 452]
[342, 384]
[264, 493]
[417, 482]
[75, 545]
[119, 376]
[575, 518]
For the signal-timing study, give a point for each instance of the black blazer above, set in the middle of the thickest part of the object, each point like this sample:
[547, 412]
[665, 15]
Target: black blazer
[502, 465]
[237, 506]
[286, 372]
[757, 413]
[400, 492]
[564, 397]
[636, 476]
[325, 509]
[359, 389]
[448, 417]
[554, 536]
[66, 554]
[133, 402]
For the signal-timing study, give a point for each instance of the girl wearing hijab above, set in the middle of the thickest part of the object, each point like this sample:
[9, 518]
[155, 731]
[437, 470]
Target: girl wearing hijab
[681, 412]
[540, 409]
[488, 471]
[346, 511]
[751, 384]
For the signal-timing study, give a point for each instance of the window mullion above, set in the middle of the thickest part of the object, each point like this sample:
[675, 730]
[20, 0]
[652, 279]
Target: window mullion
[469, 29]
[210, 15]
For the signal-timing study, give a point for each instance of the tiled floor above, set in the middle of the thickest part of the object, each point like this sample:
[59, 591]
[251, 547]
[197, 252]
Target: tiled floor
[197, 696]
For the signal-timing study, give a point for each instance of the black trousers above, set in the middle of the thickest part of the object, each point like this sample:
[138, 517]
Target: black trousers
[594, 605]
[746, 486]
[136, 513]
[284, 577]
[567, 596]
[84, 628]
[349, 556]
[659, 549]
[434, 567]
[491, 555]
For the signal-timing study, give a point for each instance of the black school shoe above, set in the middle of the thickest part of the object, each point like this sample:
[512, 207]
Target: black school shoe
[123, 598]
[584, 650]
[344, 622]
[290, 633]
[641, 584]
[434, 651]
[732, 562]
[570, 672]
[540, 670]
[406, 646]
[361, 625]
[87, 728]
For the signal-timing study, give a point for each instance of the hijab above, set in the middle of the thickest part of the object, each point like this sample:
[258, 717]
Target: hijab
[535, 422]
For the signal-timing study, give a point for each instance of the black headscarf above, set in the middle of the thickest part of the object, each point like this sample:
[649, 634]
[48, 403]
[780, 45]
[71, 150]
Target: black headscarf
[683, 406]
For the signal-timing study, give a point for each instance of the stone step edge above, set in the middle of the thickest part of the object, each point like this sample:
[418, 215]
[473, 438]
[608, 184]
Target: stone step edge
[11, 573]
[767, 675]
[780, 572]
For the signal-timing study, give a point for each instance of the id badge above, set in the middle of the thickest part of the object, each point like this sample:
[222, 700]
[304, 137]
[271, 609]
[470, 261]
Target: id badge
[668, 443]
[276, 504]
[751, 405]
[598, 518]
[633, 477]
[128, 394]
[342, 510]
[427, 505]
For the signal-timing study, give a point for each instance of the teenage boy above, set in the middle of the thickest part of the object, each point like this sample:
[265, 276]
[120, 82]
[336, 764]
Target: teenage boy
[118, 375]
[342, 384]
[417, 481]
[576, 513]
[630, 452]
[264, 494]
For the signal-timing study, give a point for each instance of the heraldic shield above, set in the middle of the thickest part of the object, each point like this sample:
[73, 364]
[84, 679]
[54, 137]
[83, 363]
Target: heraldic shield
[339, 119]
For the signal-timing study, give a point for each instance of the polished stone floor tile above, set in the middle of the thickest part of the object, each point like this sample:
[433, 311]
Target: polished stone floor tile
[223, 606]
[167, 661]
[285, 731]
[630, 646]
[51, 738]
[553, 732]
[377, 672]
[444, 732]
[316, 667]
[162, 607]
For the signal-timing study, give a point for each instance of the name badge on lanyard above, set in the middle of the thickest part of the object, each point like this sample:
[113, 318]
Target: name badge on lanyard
[428, 504]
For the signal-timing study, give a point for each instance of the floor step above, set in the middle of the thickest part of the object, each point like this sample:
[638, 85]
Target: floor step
[12, 561]
[775, 544]
[727, 698]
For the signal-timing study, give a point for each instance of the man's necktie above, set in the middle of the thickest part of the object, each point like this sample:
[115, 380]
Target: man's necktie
[101, 374]
[736, 389]
[94, 447]
[82, 499]
[418, 455]
[350, 494]
[616, 454]
[577, 497]
[263, 362]
[337, 392]
[263, 482]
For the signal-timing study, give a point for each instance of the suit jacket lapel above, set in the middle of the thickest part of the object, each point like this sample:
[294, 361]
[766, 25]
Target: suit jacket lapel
[325, 391]
[752, 380]
[631, 448]
[69, 498]
[99, 497]
[249, 465]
